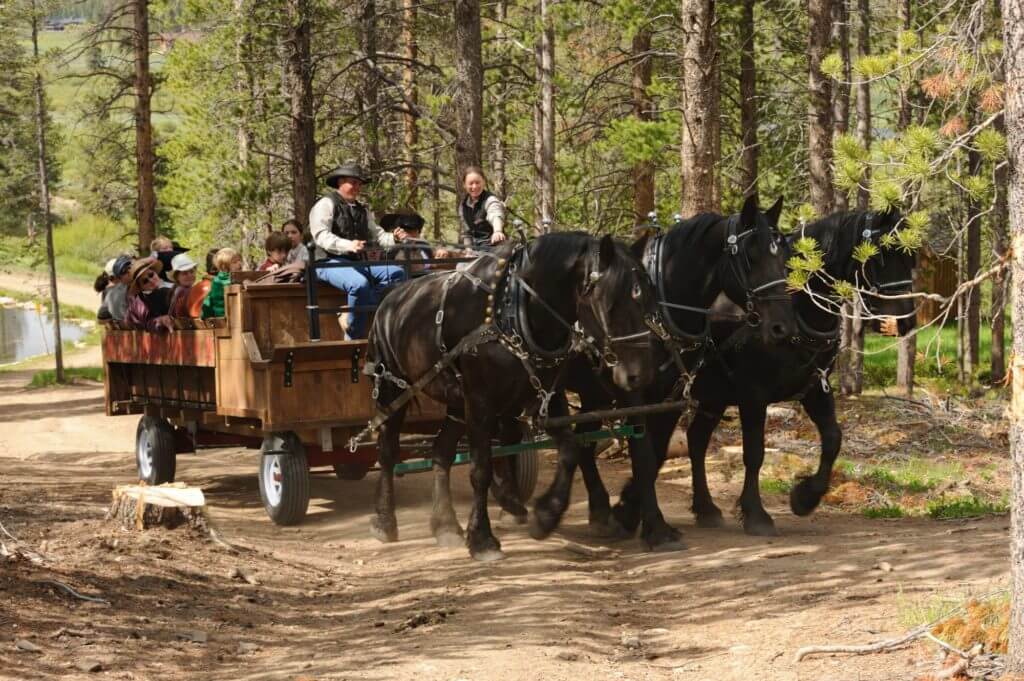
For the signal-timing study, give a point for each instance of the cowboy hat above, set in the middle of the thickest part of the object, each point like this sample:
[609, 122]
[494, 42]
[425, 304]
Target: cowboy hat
[182, 263]
[406, 219]
[347, 169]
[138, 267]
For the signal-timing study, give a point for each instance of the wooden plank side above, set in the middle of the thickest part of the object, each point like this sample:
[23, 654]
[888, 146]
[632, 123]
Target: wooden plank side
[186, 348]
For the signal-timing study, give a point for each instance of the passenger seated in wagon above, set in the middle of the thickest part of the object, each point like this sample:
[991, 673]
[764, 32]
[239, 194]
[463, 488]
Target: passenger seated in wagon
[277, 246]
[149, 302]
[183, 274]
[414, 246]
[342, 228]
[225, 261]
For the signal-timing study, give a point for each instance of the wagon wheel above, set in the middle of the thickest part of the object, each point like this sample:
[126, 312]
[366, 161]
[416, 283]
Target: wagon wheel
[351, 471]
[284, 478]
[154, 451]
[526, 466]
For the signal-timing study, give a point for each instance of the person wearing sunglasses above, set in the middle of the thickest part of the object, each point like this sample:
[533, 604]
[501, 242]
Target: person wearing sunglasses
[149, 303]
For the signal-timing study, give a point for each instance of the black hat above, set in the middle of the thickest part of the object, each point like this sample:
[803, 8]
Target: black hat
[406, 219]
[178, 248]
[346, 169]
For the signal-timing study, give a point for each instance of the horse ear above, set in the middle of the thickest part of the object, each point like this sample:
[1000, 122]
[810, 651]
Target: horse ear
[639, 246]
[748, 214]
[774, 212]
[606, 252]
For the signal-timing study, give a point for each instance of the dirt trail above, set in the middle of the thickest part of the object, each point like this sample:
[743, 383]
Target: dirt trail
[331, 603]
[70, 291]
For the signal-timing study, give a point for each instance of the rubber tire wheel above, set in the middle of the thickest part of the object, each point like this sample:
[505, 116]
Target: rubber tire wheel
[156, 436]
[286, 505]
[527, 466]
[351, 471]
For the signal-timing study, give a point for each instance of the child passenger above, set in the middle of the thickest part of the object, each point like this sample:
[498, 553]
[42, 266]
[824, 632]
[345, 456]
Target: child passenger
[226, 261]
[277, 246]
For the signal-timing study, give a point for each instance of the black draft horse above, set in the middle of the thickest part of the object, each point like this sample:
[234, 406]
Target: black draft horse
[753, 375]
[743, 256]
[509, 322]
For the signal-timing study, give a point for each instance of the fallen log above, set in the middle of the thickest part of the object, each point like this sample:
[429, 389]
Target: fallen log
[170, 505]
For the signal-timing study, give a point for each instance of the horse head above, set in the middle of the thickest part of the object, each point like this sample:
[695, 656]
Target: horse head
[890, 272]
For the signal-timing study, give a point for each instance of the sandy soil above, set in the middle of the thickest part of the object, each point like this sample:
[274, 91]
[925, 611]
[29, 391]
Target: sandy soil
[329, 602]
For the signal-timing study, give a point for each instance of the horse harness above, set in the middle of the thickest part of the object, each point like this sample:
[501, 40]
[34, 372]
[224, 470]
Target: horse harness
[506, 323]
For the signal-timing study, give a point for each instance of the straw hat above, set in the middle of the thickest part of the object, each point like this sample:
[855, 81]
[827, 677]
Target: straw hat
[138, 267]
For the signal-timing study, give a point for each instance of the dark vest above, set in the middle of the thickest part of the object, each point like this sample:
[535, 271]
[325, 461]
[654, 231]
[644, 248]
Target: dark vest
[349, 221]
[476, 218]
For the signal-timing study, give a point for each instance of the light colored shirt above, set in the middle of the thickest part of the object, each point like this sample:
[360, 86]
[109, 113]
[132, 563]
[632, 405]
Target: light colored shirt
[321, 217]
[298, 254]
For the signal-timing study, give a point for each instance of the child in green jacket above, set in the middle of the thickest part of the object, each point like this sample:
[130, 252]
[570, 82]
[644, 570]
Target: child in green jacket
[226, 261]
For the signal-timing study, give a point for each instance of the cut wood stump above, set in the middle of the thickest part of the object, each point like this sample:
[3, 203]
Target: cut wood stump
[139, 507]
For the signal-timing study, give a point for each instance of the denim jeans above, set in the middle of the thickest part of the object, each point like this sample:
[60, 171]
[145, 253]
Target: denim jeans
[362, 284]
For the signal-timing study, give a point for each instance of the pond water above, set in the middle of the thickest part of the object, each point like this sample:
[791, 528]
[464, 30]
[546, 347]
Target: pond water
[25, 333]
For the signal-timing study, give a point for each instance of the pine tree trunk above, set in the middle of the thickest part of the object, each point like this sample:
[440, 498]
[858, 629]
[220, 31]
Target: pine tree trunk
[468, 88]
[819, 112]
[44, 197]
[1013, 51]
[906, 349]
[246, 92]
[841, 89]
[864, 98]
[145, 158]
[544, 121]
[498, 176]
[748, 102]
[409, 129]
[972, 265]
[1000, 248]
[371, 87]
[643, 171]
[701, 134]
[301, 124]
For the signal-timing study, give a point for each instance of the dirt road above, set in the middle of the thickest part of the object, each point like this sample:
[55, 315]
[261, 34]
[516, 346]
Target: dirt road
[328, 602]
[70, 291]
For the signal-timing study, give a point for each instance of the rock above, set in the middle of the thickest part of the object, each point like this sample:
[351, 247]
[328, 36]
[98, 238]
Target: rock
[89, 666]
[26, 646]
[195, 635]
[243, 576]
[883, 566]
[631, 640]
[246, 647]
[567, 655]
[784, 413]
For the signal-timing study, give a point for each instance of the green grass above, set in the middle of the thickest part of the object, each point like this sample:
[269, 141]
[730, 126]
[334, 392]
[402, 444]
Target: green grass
[914, 476]
[880, 355]
[886, 511]
[776, 486]
[48, 377]
[963, 507]
[67, 312]
[81, 246]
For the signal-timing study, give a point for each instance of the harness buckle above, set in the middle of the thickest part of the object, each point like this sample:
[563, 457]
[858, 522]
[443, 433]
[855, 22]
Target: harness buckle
[439, 318]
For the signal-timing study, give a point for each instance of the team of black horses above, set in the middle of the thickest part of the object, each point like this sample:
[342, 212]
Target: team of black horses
[700, 313]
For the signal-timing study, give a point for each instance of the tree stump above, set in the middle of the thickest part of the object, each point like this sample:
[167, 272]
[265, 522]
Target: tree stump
[139, 507]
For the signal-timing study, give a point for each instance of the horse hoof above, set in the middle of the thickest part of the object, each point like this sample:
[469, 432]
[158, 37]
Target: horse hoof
[710, 520]
[760, 528]
[666, 546]
[803, 500]
[383, 533]
[488, 555]
[449, 539]
[602, 530]
[617, 531]
[537, 530]
[521, 519]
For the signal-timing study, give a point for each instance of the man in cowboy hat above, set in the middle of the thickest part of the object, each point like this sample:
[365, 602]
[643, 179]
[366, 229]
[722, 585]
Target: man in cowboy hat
[342, 227]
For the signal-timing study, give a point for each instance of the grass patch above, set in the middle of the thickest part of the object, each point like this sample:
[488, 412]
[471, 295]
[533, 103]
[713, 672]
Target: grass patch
[886, 511]
[48, 377]
[915, 476]
[81, 247]
[986, 622]
[776, 486]
[946, 508]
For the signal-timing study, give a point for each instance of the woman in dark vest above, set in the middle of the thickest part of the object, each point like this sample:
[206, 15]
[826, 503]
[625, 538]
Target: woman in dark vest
[342, 229]
[483, 213]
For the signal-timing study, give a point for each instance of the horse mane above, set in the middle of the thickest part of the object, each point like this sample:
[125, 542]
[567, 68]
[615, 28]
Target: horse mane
[837, 235]
[558, 251]
[691, 231]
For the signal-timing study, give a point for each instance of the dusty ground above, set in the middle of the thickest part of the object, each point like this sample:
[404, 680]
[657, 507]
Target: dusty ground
[70, 291]
[331, 603]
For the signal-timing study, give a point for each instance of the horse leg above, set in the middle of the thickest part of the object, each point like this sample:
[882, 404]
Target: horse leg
[756, 520]
[705, 419]
[504, 486]
[655, 532]
[384, 525]
[482, 543]
[444, 524]
[550, 506]
[598, 501]
[628, 512]
[807, 493]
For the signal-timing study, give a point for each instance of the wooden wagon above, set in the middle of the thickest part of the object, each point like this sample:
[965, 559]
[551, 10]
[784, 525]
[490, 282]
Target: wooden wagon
[256, 379]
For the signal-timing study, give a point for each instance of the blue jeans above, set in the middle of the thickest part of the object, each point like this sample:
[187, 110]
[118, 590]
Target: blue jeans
[362, 284]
